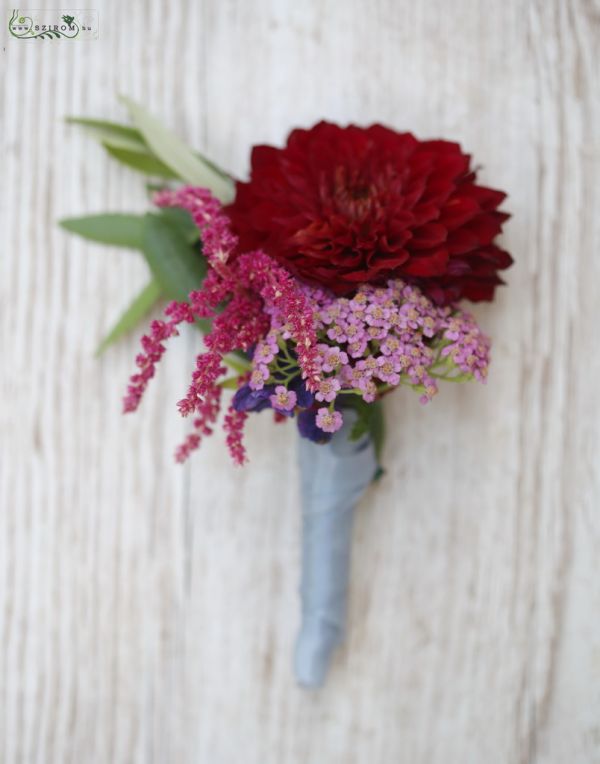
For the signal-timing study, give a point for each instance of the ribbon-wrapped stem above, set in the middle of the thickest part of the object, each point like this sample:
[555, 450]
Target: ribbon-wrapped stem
[333, 479]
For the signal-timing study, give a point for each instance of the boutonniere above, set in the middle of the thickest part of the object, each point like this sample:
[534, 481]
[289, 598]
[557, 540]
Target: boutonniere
[335, 274]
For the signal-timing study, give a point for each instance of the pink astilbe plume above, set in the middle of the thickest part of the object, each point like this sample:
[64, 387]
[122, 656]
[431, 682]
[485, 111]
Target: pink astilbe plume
[245, 279]
[209, 368]
[234, 427]
[254, 271]
[208, 410]
[153, 347]
[282, 293]
[253, 288]
[206, 211]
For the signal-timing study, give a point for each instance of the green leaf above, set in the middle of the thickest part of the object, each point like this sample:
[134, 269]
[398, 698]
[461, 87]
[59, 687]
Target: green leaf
[142, 304]
[371, 420]
[145, 163]
[177, 266]
[238, 361]
[231, 383]
[377, 428]
[183, 220]
[130, 141]
[112, 133]
[175, 154]
[126, 145]
[117, 229]
[361, 426]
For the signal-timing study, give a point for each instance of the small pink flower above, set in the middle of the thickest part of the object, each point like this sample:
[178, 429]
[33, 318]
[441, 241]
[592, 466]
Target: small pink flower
[354, 332]
[369, 364]
[329, 421]
[390, 345]
[428, 325]
[388, 368]
[327, 389]
[333, 358]
[357, 349]
[376, 333]
[264, 353]
[258, 377]
[337, 333]
[377, 315]
[283, 399]
[369, 391]
[271, 340]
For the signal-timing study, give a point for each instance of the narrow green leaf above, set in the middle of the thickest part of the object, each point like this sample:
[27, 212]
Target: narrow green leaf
[176, 265]
[127, 138]
[111, 133]
[173, 152]
[145, 163]
[135, 145]
[142, 304]
[116, 229]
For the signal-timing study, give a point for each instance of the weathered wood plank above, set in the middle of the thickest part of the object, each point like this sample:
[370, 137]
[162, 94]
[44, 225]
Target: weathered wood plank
[147, 612]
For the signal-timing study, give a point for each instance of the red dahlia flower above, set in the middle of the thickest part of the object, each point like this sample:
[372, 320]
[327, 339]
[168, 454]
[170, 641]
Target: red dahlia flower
[344, 206]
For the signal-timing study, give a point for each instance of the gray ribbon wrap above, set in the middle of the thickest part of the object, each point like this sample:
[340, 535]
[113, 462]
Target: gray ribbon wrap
[334, 476]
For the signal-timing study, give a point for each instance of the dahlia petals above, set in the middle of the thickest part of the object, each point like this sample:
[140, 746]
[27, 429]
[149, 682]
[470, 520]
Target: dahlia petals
[335, 199]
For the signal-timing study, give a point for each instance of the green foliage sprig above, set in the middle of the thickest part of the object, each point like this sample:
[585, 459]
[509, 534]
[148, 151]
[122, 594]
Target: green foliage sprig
[167, 239]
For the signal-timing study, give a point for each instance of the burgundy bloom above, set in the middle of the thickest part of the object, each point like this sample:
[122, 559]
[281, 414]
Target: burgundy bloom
[344, 206]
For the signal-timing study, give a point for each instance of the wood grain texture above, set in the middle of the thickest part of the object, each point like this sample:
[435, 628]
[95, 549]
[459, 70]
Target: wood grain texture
[147, 612]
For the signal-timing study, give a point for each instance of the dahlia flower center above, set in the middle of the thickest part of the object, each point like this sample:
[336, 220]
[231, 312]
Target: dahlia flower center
[353, 195]
[360, 192]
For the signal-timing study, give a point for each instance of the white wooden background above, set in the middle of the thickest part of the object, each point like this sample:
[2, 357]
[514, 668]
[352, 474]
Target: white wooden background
[148, 611]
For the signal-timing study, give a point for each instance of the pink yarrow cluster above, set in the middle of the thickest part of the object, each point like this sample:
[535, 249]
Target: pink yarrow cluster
[251, 285]
[375, 341]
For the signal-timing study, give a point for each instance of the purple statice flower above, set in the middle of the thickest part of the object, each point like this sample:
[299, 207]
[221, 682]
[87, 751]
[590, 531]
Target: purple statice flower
[247, 399]
[304, 398]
